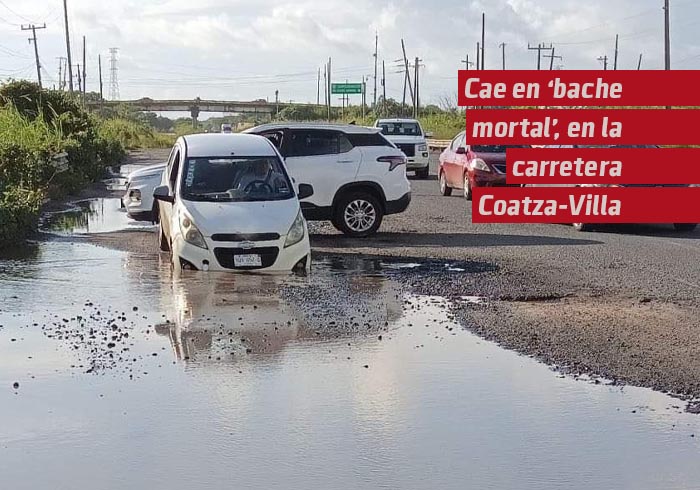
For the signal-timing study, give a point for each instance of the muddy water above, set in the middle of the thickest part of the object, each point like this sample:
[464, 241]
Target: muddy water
[132, 378]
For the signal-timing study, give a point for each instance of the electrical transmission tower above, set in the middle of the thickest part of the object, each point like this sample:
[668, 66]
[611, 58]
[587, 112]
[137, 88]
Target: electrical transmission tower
[113, 75]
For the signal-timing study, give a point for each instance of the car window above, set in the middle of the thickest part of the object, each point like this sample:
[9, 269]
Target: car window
[312, 142]
[368, 139]
[172, 177]
[344, 144]
[275, 137]
[400, 128]
[455, 142]
[232, 179]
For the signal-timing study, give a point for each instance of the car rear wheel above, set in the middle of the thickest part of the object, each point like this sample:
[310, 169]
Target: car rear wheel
[422, 173]
[358, 215]
[581, 226]
[467, 188]
[445, 189]
[685, 226]
[163, 244]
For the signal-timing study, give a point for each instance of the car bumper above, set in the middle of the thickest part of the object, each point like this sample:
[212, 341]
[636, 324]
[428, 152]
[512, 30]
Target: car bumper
[140, 209]
[418, 162]
[400, 205]
[488, 179]
[219, 255]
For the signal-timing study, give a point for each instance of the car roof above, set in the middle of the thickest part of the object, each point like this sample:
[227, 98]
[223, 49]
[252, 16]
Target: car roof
[222, 144]
[345, 128]
[397, 120]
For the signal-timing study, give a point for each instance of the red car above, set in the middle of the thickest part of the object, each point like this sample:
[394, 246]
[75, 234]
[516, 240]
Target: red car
[464, 166]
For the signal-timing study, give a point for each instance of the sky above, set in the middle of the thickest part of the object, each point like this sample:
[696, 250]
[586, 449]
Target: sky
[248, 49]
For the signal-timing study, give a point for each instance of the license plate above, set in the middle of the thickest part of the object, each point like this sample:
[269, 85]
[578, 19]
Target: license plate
[247, 260]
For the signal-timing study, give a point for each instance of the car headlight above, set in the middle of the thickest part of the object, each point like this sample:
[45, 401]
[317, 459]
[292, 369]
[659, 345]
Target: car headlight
[422, 147]
[479, 164]
[190, 232]
[296, 232]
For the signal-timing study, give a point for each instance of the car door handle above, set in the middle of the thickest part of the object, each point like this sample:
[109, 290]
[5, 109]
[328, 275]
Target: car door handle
[345, 161]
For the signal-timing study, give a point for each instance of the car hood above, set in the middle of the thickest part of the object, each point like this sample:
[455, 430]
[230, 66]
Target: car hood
[406, 140]
[243, 217]
[149, 171]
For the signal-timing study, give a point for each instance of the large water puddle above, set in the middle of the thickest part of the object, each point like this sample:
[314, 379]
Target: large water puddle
[91, 216]
[131, 378]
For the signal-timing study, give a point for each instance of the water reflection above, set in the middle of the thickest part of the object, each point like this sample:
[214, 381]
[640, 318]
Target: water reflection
[91, 216]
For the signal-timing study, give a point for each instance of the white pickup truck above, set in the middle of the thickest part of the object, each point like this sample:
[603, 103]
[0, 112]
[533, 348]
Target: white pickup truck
[408, 136]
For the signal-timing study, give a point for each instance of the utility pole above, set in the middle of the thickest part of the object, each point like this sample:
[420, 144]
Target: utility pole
[32, 39]
[478, 55]
[61, 73]
[539, 49]
[467, 63]
[483, 40]
[383, 88]
[416, 104]
[80, 84]
[639, 64]
[503, 48]
[617, 39]
[318, 88]
[364, 97]
[604, 59]
[70, 62]
[329, 90]
[551, 58]
[99, 68]
[325, 85]
[84, 70]
[376, 59]
[667, 34]
[277, 104]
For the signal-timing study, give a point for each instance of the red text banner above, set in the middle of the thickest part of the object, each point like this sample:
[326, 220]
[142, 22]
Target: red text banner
[603, 166]
[586, 205]
[582, 127]
[579, 88]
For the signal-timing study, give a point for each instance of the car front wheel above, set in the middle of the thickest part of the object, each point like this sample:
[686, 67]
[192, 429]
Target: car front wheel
[685, 226]
[445, 189]
[358, 215]
[163, 244]
[422, 173]
[467, 188]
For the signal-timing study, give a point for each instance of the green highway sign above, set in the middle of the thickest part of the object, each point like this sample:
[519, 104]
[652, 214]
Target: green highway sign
[346, 88]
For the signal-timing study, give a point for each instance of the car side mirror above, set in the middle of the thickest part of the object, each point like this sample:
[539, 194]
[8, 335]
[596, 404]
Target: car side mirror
[461, 151]
[429, 134]
[162, 193]
[305, 191]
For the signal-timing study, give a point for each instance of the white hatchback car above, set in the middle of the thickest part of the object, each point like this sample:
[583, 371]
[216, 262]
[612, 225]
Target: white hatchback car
[358, 175]
[227, 203]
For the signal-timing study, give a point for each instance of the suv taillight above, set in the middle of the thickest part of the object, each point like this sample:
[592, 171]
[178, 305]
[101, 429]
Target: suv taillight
[393, 161]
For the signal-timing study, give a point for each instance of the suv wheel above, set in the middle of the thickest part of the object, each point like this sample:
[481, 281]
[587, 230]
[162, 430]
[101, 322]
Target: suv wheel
[422, 173]
[685, 226]
[445, 189]
[467, 188]
[358, 215]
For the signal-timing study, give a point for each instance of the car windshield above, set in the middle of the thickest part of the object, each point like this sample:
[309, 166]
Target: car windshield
[494, 148]
[235, 179]
[400, 128]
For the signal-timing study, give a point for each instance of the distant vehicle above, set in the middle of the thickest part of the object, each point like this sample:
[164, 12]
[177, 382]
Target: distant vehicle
[359, 176]
[684, 227]
[464, 166]
[226, 202]
[226, 128]
[408, 136]
[138, 197]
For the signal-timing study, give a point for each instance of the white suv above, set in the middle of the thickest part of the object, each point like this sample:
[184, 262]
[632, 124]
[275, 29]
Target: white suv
[358, 175]
[408, 136]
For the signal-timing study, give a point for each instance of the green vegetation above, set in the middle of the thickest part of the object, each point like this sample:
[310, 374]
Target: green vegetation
[51, 146]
